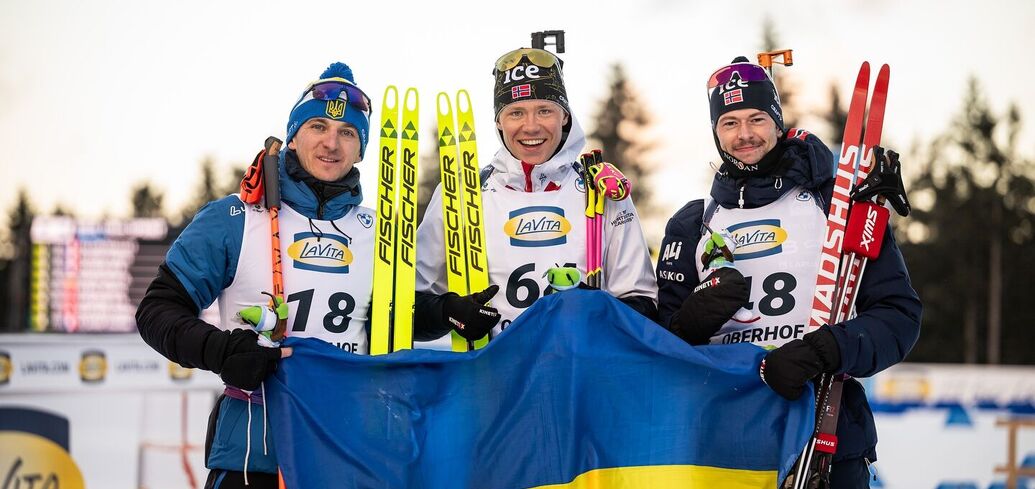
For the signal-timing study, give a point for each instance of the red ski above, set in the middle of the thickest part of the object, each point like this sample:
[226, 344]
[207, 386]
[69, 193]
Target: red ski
[838, 276]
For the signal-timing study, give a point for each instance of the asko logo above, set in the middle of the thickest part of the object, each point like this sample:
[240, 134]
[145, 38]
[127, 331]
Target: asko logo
[328, 253]
[537, 226]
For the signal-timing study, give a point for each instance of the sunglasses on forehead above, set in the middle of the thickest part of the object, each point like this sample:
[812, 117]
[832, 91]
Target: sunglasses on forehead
[338, 89]
[538, 57]
[738, 71]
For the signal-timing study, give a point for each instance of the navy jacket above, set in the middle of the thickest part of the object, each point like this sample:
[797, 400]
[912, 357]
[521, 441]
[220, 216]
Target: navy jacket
[888, 321]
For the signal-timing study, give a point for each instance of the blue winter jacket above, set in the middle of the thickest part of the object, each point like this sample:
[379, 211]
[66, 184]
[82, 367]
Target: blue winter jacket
[199, 265]
[888, 321]
[204, 257]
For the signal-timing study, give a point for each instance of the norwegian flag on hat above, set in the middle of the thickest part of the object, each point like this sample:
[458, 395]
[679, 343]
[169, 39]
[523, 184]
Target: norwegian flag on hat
[521, 91]
[732, 97]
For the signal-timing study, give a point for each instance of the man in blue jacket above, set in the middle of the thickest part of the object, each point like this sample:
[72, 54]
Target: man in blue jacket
[771, 194]
[224, 254]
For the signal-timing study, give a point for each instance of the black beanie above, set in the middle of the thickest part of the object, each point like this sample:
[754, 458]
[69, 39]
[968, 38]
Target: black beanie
[524, 77]
[743, 93]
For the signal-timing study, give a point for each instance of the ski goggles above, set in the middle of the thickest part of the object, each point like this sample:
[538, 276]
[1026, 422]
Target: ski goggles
[338, 89]
[538, 57]
[736, 72]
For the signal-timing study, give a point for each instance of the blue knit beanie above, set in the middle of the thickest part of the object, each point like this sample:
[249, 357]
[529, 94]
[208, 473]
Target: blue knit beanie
[307, 107]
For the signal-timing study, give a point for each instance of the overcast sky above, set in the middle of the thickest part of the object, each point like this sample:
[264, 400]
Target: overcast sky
[97, 96]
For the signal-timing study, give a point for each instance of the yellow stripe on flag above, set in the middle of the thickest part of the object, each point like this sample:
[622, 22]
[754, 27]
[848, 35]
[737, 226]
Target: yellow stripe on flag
[670, 477]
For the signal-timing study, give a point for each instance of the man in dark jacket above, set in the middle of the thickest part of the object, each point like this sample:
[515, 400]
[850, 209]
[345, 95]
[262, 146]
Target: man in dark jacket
[771, 195]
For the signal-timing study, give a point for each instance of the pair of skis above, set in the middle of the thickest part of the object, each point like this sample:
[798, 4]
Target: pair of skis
[466, 265]
[847, 245]
[394, 249]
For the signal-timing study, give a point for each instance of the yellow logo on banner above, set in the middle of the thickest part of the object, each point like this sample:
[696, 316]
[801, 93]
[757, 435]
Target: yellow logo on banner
[5, 368]
[29, 460]
[178, 372]
[93, 367]
[335, 109]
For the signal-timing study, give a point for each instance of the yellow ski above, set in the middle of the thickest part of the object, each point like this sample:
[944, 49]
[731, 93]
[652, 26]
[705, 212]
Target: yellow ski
[384, 248]
[456, 259]
[406, 224]
[474, 229]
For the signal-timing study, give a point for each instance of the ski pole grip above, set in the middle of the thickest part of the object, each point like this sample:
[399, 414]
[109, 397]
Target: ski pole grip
[271, 173]
[864, 232]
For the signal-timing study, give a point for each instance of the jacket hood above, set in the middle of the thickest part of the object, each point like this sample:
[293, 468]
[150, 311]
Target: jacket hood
[303, 199]
[507, 169]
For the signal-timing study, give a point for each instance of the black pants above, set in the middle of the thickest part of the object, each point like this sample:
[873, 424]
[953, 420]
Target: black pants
[225, 479]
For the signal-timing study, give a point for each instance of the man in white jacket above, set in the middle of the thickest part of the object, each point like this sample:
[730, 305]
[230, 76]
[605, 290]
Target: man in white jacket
[533, 206]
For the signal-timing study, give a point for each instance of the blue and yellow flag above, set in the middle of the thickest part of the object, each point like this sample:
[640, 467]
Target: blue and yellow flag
[579, 392]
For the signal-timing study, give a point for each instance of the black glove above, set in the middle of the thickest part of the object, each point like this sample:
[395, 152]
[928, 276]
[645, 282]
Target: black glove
[710, 305]
[239, 360]
[885, 179]
[468, 315]
[786, 369]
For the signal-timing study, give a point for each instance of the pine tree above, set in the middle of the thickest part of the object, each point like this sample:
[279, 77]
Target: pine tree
[207, 191]
[968, 243]
[788, 100]
[16, 283]
[146, 200]
[61, 210]
[836, 118]
[622, 123]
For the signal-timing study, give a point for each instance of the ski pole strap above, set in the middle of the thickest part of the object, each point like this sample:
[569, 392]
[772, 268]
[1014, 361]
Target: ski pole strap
[251, 185]
[271, 190]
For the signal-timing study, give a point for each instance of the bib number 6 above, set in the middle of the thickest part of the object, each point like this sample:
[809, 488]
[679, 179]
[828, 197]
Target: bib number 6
[522, 290]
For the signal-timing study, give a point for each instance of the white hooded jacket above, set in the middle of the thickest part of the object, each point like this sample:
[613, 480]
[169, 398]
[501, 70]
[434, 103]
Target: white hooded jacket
[528, 232]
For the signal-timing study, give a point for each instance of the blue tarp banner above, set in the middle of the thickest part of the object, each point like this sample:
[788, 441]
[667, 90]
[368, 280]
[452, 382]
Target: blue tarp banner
[579, 391]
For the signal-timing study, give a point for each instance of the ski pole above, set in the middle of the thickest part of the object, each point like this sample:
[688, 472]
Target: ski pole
[262, 182]
[271, 184]
[598, 225]
[586, 160]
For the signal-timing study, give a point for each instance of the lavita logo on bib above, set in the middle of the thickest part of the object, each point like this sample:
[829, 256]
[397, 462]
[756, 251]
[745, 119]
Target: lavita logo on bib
[756, 239]
[326, 253]
[537, 226]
